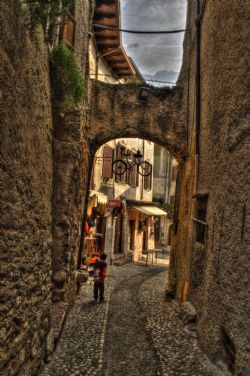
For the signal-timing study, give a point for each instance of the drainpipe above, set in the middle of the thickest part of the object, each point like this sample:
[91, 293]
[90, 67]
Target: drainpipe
[142, 178]
[198, 94]
[84, 216]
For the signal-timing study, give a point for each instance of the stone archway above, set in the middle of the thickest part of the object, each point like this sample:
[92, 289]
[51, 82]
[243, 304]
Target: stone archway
[113, 111]
[117, 111]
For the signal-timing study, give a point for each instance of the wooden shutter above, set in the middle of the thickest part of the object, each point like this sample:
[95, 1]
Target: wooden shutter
[118, 156]
[120, 151]
[124, 177]
[148, 180]
[129, 172]
[68, 35]
[132, 172]
[108, 153]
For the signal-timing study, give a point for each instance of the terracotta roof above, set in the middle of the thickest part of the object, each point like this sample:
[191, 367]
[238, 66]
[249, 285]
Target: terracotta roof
[109, 42]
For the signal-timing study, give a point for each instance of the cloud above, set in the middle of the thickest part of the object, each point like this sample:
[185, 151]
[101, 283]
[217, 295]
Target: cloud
[163, 75]
[132, 45]
[154, 53]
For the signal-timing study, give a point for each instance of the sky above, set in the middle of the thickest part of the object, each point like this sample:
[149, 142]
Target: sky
[157, 56]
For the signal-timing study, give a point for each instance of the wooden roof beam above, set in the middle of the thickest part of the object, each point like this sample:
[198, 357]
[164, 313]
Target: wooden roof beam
[123, 65]
[104, 37]
[106, 45]
[105, 2]
[120, 60]
[100, 15]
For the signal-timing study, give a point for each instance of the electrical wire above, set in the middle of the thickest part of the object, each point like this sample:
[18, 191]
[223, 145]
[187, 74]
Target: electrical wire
[161, 82]
[139, 31]
[150, 80]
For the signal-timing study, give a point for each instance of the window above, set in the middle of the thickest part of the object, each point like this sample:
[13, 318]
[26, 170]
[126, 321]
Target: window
[200, 220]
[172, 200]
[120, 151]
[108, 153]
[68, 34]
[132, 173]
[163, 163]
[174, 173]
[147, 179]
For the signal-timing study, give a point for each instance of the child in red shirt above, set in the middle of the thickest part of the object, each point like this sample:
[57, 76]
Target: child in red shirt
[100, 269]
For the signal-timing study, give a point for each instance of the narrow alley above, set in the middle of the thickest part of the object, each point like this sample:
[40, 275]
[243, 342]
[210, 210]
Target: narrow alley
[136, 332]
[124, 171]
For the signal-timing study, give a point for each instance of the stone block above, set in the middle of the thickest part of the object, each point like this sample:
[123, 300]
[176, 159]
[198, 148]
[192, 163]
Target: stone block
[188, 313]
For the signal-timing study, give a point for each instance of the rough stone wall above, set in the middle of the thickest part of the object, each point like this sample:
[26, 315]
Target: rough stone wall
[70, 164]
[218, 274]
[116, 111]
[70, 156]
[25, 195]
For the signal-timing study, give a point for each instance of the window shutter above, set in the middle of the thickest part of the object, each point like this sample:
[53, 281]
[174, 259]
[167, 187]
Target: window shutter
[118, 156]
[120, 151]
[147, 180]
[108, 153]
[134, 173]
[130, 171]
[68, 35]
[124, 177]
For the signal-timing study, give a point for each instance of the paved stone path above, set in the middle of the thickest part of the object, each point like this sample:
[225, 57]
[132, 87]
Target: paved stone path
[134, 333]
[128, 349]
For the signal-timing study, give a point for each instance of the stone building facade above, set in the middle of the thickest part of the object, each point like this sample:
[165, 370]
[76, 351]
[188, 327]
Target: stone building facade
[210, 256]
[123, 231]
[26, 188]
[164, 188]
[46, 159]
[43, 170]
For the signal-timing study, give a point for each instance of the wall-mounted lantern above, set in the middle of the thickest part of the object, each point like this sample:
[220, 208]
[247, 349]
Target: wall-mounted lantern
[144, 93]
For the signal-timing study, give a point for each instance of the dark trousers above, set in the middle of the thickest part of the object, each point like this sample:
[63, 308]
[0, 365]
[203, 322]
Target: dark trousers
[99, 290]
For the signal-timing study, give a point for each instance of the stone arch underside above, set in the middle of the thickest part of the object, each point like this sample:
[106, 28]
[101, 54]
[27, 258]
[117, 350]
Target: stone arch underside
[116, 111]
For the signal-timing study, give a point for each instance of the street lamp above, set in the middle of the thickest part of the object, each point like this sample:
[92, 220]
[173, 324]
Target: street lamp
[144, 93]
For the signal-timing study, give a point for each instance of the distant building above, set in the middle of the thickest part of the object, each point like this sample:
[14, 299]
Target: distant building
[128, 221]
[108, 61]
[164, 186]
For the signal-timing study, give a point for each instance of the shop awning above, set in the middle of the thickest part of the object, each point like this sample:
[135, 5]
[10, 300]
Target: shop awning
[101, 198]
[150, 210]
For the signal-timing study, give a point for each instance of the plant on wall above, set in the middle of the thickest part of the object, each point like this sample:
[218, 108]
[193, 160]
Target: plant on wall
[67, 81]
[46, 13]
[163, 91]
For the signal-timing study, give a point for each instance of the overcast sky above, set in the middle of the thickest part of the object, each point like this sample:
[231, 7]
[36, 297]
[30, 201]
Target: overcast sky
[158, 56]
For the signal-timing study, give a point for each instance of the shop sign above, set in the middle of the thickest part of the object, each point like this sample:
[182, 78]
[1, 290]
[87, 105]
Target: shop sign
[115, 203]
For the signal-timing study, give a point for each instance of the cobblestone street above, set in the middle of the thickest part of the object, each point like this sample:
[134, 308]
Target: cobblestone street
[134, 333]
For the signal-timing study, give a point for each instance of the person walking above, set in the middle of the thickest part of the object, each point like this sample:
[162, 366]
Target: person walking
[100, 269]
